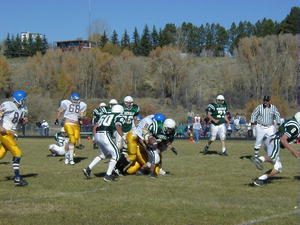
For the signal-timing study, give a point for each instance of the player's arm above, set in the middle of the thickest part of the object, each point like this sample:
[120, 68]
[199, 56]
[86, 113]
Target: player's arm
[60, 111]
[2, 129]
[211, 118]
[94, 129]
[285, 143]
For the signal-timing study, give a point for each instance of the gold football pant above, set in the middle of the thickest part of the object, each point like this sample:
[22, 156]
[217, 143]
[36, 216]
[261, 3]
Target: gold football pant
[8, 143]
[73, 132]
[135, 153]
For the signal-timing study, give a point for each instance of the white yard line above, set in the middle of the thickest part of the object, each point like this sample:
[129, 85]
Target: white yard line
[270, 217]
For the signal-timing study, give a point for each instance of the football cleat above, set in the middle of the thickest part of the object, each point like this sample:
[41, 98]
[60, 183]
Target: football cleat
[108, 178]
[259, 182]
[257, 162]
[72, 162]
[20, 182]
[205, 150]
[87, 173]
[152, 175]
[66, 161]
[224, 153]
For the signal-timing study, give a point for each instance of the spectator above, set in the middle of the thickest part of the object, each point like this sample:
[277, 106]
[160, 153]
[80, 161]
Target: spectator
[197, 128]
[45, 128]
[190, 117]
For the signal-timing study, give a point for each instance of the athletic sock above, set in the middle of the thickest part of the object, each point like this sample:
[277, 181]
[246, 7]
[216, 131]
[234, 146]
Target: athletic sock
[96, 160]
[263, 177]
[111, 166]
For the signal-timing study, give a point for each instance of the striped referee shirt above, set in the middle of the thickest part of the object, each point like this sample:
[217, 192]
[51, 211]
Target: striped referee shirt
[265, 115]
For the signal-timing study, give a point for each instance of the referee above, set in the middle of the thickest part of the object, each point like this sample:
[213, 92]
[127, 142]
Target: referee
[262, 120]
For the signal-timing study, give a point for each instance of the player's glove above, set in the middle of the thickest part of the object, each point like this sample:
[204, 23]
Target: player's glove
[174, 151]
[56, 122]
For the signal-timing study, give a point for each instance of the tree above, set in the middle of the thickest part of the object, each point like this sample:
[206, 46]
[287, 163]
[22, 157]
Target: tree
[114, 38]
[291, 24]
[8, 48]
[136, 44]
[168, 35]
[146, 42]
[125, 41]
[5, 77]
[265, 27]
[103, 40]
[154, 38]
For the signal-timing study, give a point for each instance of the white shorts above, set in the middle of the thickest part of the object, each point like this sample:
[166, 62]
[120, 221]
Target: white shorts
[57, 149]
[218, 130]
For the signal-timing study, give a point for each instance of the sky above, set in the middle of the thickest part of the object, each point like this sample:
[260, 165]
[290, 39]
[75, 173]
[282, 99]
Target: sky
[70, 19]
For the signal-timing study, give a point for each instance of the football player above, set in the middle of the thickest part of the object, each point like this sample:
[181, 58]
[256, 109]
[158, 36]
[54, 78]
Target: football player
[72, 110]
[136, 155]
[288, 132]
[217, 114]
[158, 138]
[103, 133]
[59, 149]
[13, 112]
[111, 103]
[131, 110]
[96, 116]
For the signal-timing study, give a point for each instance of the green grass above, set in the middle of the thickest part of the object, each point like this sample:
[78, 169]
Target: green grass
[204, 189]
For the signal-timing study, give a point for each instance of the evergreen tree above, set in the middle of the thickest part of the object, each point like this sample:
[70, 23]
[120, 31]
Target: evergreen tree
[168, 34]
[125, 41]
[114, 38]
[291, 24]
[103, 40]
[8, 47]
[136, 42]
[265, 27]
[221, 40]
[154, 38]
[38, 44]
[146, 46]
[31, 46]
[44, 46]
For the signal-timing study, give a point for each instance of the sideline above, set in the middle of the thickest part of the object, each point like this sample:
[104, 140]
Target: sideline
[270, 217]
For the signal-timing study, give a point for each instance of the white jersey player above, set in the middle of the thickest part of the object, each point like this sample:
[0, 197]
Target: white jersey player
[72, 111]
[12, 112]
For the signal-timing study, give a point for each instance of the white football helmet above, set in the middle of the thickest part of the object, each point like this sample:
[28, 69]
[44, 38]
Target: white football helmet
[117, 109]
[62, 130]
[128, 99]
[220, 99]
[297, 117]
[102, 104]
[169, 125]
[113, 102]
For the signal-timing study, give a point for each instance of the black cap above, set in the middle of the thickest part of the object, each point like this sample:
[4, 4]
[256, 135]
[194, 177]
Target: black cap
[267, 98]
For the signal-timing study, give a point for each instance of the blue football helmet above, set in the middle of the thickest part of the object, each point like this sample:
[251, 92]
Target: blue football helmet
[19, 97]
[75, 97]
[159, 117]
[138, 117]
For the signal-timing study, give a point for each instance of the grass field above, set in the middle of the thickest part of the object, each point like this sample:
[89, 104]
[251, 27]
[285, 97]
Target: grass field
[202, 189]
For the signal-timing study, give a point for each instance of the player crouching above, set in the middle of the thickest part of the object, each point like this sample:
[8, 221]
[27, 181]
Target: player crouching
[59, 149]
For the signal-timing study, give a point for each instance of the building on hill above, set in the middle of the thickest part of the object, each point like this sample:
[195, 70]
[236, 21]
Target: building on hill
[73, 44]
[25, 35]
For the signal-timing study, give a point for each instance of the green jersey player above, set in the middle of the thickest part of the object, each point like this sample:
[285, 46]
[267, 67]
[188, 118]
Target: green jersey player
[131, 110]
[217, 114]
[163, 134]
[98, 112]
[103, 133]
[287, 133]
